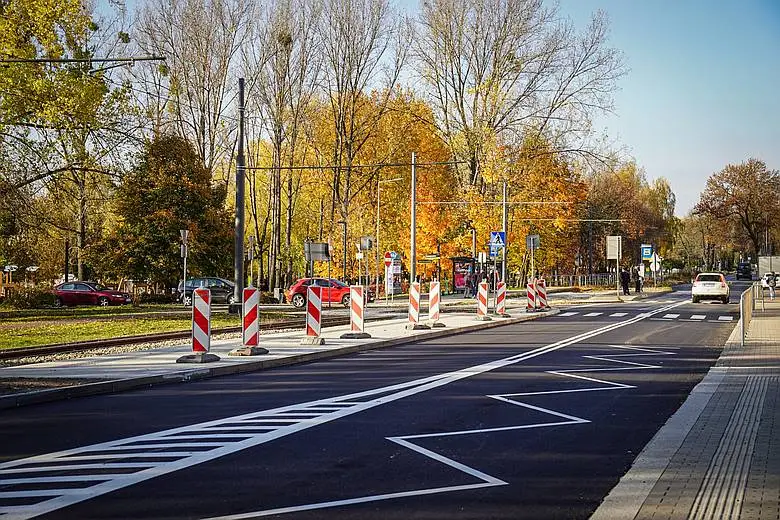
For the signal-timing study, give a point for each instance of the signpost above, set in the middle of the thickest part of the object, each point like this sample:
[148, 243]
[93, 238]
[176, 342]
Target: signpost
[614, 252]
[532, 243]
[185, 233]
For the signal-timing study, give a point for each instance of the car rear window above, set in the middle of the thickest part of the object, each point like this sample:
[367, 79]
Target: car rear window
[708, 278]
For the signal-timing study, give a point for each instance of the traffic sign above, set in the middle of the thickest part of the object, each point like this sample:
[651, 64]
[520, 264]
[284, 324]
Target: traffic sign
[647, 252]
[497, 241]
[388, 259]
[614, 247]
[532, 242]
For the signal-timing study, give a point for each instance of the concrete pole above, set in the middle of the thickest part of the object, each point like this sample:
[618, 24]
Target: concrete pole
[376, 245]
[413, 244]
[238, 259]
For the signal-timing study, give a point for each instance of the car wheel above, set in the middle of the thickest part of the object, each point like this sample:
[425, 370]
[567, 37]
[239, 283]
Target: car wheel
[298, 300]
[187, 301]
[231, 299]
[694, 299]
[103, 301]
[58, 302]
[726, 300]
[345, 300]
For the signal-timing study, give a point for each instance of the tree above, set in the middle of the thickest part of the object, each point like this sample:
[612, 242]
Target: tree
[499, 70]
[747, 195]
[170, 189]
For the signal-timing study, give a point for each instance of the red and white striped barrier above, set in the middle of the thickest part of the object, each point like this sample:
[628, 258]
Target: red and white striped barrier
[541, 289]
[434, 301]
[434, 305]
[501, 299]
[250, 324]
[251, 314]
[201, 329]
[482, 302]
[313, 316]
[357, 305]
[414, 303]
[531, 293]
[201, 320]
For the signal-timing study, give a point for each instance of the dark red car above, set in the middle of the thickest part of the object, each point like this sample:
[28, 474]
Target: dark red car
[333, 291]
[88, 293]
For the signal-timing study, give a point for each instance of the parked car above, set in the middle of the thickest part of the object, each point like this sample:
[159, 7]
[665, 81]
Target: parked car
[744, 270]
[88, 293]
[333, 291]
[221, 289]
[710, 286]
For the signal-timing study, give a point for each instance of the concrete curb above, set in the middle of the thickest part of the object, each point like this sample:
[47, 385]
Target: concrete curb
[629, 494]
[187, 375]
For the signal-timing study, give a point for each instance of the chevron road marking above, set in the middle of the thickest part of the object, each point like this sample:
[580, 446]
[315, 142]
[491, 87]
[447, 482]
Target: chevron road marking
[223, 437]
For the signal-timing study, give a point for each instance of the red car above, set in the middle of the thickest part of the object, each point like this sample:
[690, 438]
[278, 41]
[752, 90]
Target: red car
[333, 291]
[88, 293]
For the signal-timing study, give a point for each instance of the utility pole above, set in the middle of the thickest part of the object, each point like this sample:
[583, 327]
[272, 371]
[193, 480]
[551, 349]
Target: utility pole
[413, 252]
[504, 216]
[238, 259]
[184, 252]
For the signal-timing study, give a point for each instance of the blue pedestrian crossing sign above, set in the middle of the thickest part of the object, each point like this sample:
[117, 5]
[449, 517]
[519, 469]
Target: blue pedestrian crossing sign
[497, 241]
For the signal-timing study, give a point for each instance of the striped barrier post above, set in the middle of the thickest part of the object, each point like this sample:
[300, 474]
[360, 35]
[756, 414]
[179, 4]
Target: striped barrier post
[482, 302]
[434, 303]
[356, 314]
[414, 308]
[250, 324]
[531, 293]
[313, 316]
[541, 289]
[501, 300]
[201, 329]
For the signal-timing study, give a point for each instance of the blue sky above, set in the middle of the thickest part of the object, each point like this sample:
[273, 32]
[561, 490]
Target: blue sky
[703, 89]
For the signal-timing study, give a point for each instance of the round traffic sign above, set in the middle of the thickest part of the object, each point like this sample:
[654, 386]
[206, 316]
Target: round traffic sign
[388, 259]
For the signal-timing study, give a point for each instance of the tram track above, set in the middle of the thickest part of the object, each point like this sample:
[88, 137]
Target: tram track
[64, 348]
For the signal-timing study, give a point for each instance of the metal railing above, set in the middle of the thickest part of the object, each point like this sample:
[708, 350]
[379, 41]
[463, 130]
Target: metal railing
[747, 305]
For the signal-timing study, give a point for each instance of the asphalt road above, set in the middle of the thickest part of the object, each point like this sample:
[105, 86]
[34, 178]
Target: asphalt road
[533, 420]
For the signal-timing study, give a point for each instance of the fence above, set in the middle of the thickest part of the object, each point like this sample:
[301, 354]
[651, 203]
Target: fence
[747, 305]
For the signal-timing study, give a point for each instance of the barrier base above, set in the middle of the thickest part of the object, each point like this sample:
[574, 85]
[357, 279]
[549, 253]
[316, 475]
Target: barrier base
[417, 326]
[234, 308]
[483, 318]
[435, 324]
[355, 335]
[503, 315]
[312, 340]
[204, 357]
[248, 351]
[531, 310]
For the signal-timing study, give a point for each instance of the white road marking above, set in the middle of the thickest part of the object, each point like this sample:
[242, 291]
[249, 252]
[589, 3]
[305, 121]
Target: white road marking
[617, 314]
[671, 316]
[564, 314]
[725, 318]
[699, 317]
[591, 314]
[288, 420]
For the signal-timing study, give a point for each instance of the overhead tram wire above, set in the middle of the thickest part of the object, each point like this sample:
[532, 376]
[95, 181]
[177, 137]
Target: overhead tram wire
[377, 165]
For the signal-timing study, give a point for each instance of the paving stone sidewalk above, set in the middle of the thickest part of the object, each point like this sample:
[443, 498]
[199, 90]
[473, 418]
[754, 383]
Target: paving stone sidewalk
[718, 457]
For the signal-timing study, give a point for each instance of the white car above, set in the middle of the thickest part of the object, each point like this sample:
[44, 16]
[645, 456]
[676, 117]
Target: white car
[710, 286]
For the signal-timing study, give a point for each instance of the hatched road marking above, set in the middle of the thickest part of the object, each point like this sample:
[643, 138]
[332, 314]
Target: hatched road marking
[190, 445]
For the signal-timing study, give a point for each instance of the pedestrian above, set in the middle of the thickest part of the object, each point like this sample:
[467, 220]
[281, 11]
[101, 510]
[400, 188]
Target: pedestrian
[638, 282]
[625, 278]
[772, 282]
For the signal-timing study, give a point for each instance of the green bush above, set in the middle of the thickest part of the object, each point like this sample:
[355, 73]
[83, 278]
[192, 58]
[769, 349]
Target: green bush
[156, 298]
[29, 298]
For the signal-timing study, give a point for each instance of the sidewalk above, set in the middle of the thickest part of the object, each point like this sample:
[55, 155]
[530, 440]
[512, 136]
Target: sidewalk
[142, 368]
[718, 456]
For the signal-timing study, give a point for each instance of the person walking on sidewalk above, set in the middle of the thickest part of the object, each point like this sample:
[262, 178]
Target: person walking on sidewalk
[637, 281]
[771, 281]
[625, 278]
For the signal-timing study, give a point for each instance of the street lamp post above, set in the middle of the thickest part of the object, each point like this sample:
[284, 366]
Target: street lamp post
[378, 249]
[344, 261]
